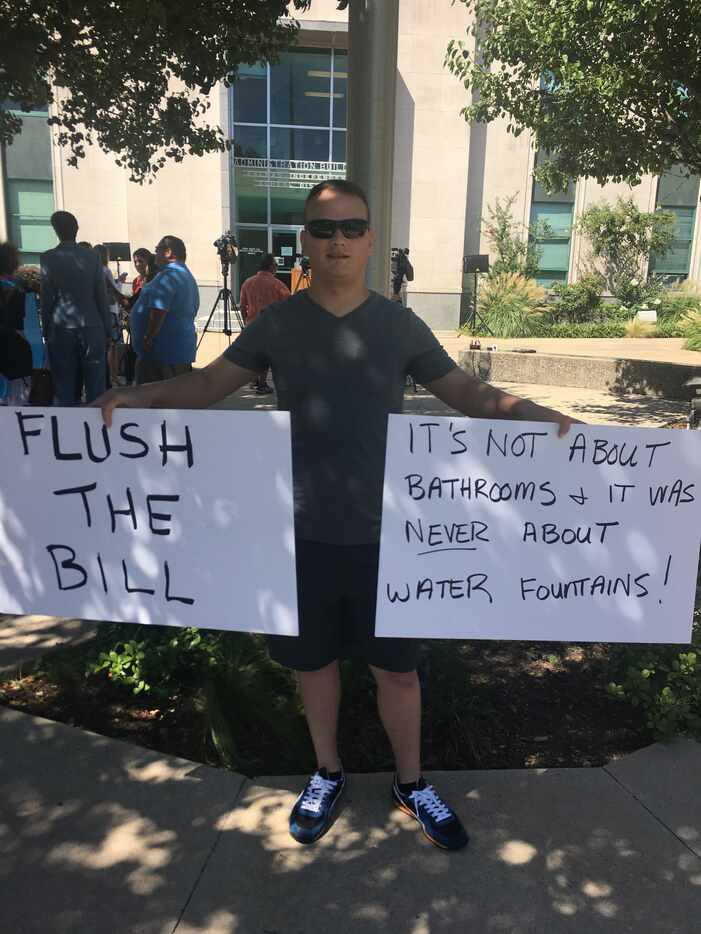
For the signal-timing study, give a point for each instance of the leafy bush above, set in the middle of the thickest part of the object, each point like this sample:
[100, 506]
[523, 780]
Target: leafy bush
[667, 686]
[690, 326]
[668, 327]
[663, 681]
[153, 659]
[622, 237]
[578, 302]
[238, 691]
[637, 328]
[677, 303]
[613, 311]
[515, 247]
[587, 329]
[511, 305]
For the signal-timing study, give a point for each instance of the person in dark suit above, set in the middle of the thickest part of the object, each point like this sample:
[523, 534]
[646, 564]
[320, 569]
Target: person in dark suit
[74, 314]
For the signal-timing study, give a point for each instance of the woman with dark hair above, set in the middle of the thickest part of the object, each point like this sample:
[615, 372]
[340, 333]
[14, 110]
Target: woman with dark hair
[145, 264]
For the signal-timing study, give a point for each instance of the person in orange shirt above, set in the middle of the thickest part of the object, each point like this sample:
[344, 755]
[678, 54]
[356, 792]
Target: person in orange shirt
[257, 292]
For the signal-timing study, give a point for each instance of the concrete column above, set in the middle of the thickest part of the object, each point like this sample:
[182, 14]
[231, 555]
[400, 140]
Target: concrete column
[372, 79]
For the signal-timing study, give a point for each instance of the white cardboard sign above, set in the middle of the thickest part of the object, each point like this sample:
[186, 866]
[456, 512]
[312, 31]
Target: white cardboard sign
[183, 518]
[502, 530]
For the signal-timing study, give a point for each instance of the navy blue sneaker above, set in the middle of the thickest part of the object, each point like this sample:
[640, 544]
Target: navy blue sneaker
[439, 822]
[311, 815]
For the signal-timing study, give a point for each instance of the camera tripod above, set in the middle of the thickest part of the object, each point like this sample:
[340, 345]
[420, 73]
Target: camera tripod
[228, 305]
[475, 321]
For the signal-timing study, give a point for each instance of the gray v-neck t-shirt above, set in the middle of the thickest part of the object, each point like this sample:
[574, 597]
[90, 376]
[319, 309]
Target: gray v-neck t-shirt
[339, 378]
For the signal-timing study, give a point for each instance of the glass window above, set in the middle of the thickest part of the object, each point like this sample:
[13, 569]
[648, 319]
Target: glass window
[300, 88]
[540, 194]
[29, 154]
[251, 174]
[29, 187]
[678, 188]
[287, 204]
[339, 146]
[251, 142]
[554, 244]
[305, 145]
[340, 88]
[251, 94]
[253, 244]
[553, 209]
[30, 204]
[677, 192]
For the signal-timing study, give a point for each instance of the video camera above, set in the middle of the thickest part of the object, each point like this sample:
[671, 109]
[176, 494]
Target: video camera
[304, 262]
[400, 265]
[227, 248]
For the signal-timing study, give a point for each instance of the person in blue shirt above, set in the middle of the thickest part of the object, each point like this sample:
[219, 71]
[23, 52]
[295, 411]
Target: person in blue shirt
[163, 318]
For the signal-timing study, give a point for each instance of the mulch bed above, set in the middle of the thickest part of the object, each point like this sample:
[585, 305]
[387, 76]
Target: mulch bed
[487, 705]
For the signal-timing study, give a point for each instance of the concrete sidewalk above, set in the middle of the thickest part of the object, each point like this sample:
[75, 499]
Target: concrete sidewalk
[97, 835]
[593, 406]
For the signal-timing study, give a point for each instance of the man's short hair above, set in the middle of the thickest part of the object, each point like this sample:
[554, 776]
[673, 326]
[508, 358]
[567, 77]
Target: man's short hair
[65, 224]
[103, 253]
[341, 187]
[9, 259]
[267, 262]
[175, 245]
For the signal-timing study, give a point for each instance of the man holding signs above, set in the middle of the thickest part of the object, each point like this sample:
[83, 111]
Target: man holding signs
[340, 356]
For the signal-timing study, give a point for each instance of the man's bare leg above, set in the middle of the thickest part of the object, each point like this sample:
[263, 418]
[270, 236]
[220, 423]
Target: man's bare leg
[399, 705]
[321, 696]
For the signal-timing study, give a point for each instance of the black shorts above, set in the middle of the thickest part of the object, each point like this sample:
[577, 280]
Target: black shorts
[336, 596]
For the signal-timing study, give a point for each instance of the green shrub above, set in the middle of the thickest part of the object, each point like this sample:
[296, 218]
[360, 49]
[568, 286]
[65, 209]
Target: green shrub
[239, 692]
[587, 329]
[662, 681]
[675, 304]
[690, 326]
[612, 311]
[153, 659]
[511, 305]
[578, 302]
[668, 327]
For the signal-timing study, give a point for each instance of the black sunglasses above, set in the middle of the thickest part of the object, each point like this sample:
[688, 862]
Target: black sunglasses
[352, 228]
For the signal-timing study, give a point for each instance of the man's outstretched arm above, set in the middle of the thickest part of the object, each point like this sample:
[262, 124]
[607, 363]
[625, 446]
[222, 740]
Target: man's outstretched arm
[478, 399]
[195, 390]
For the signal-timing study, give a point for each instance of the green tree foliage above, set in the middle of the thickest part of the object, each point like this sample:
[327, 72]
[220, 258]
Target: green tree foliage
[612, 88]
[622, 237]
[136, 74]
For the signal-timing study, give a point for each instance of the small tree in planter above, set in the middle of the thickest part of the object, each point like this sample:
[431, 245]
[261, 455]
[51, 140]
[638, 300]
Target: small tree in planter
[622, 238]
[515, 245]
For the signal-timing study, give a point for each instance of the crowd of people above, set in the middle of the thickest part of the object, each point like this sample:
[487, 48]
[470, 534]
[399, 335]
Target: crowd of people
[63, 326]
[68, 330]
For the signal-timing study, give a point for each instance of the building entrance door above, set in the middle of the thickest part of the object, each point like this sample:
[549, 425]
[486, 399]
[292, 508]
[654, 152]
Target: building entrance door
[285, 245]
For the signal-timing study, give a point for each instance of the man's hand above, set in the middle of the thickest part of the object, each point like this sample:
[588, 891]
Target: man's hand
[134, 398]
[564, 423]
[148, 343]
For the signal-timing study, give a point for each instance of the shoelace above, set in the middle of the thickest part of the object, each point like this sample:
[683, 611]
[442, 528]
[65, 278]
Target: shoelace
[315, 792]
[428, 798]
